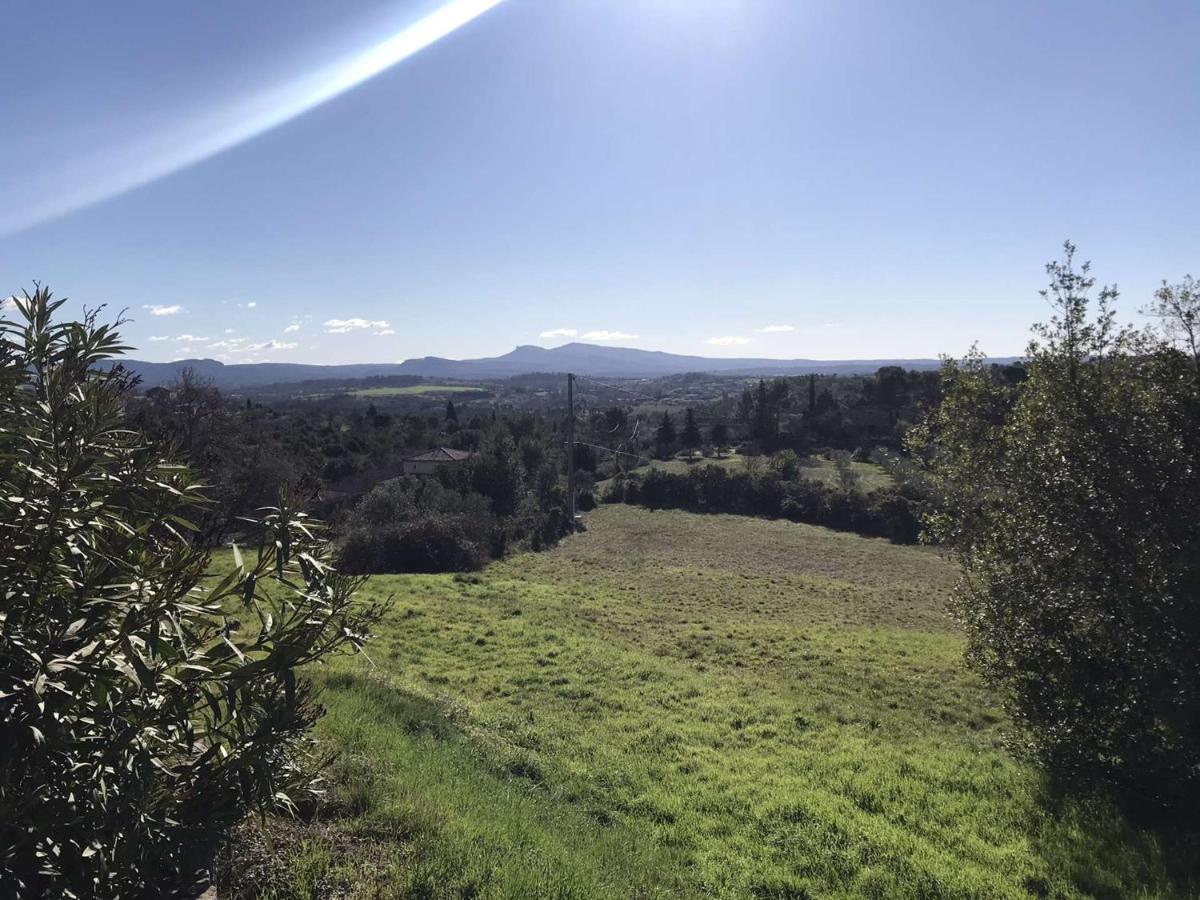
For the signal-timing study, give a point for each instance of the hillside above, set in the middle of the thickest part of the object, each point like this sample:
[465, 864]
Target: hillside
[675, 705]
[626, 362]
[582, 359]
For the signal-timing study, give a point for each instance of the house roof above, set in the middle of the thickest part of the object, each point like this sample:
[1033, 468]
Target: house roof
[440, 454]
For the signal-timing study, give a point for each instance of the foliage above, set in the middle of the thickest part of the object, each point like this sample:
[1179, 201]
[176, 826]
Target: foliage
[768, 491]
[690, 437]
[1070, 498]
[718, 436]
[507, 496]
[786, 465]
[1177, 307]
[665, 436]
[416, 524]
[236, 449]
[144, 706]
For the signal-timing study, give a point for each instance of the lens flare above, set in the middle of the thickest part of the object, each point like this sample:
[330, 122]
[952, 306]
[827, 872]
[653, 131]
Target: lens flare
[140, 161]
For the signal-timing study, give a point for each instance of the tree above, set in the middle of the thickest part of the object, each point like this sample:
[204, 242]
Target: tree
[664, 436]
[1178, 308]
[145, 704]
[691, 436]
[243, 462]
[888, 390]
[496, 471]
[1069, 497]
[719, 436]
[451, 412]
[762, 406]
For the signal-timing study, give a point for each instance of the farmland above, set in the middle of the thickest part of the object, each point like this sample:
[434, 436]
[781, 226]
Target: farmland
[416, 390]
[672, 705]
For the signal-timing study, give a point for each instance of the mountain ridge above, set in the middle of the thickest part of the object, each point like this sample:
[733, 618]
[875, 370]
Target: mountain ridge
[526, 359]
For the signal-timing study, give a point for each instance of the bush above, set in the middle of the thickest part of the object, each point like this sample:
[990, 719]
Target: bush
[416, 524]
[145, 706]
[882, 513]
[428, 543]
[786, 465]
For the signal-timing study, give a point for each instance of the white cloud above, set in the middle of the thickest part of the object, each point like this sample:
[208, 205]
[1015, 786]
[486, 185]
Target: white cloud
[230, 330]
[231, 344]
[559, 332]
[9, 303]
[341, 326]
[291, 329]
[190, 338]
[776, 329]
[271, 345]
[384, 331]
[159, 310]
[728, 341]
[160, 337]
[251, 304]
[609, 336]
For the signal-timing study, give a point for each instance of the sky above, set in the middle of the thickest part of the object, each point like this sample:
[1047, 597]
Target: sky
[826, 179]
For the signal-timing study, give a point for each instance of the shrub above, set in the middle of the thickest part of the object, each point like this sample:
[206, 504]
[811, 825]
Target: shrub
[145, 705]
[416, 524]
[429, 543]
[786, 465]
[882, 513]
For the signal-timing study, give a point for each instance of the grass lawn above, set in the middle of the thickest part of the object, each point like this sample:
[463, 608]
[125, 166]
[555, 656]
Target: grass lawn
[416, 389]
[674, 705]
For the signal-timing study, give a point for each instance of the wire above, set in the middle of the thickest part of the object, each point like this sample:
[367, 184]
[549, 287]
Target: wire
[612, 450]
[613, 387]
[637, 423]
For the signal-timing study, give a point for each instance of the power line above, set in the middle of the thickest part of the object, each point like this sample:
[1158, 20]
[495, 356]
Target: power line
[613, 450]
[614, 387]
[574, 441]
[571, 445]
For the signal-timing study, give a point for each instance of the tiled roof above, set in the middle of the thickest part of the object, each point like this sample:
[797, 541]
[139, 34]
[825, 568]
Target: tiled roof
[440, 454]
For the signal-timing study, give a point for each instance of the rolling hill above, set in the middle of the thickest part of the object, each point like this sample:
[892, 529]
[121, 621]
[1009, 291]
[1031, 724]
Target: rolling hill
[583, 359]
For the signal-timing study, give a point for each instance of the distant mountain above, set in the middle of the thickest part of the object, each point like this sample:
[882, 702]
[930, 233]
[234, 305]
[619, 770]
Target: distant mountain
[582, 359]
[251, 375]
[625, 362]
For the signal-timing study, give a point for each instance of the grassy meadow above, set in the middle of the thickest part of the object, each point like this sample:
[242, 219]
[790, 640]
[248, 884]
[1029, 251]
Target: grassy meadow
[674, 705]
[813, 468]
[412, 390]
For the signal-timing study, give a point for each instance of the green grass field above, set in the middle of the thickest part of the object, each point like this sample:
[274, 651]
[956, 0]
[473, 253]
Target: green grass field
[417, 389]
[673, 705]
[816, 468]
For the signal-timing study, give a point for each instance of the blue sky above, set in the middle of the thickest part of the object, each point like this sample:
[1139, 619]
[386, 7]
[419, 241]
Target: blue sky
[872, 179]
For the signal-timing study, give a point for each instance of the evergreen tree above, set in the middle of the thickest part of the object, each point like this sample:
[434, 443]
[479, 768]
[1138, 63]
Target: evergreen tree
[691, 432]
[664, 436]
[764, 425]
[719, 437]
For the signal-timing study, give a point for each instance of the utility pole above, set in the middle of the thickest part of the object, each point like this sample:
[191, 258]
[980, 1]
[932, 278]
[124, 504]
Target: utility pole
[571, 448]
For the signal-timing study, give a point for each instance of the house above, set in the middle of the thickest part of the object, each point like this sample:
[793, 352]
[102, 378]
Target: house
[430, 461]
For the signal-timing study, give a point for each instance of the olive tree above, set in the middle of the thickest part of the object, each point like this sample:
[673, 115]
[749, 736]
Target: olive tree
[148, 699]
[1070, 499]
